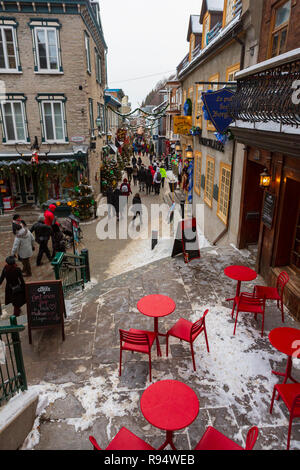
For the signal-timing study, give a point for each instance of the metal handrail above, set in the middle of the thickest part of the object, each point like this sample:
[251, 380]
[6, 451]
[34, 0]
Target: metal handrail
[72, 270]
[12, 370]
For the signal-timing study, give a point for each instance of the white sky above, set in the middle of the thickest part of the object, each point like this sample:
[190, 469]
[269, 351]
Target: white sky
[144, 37]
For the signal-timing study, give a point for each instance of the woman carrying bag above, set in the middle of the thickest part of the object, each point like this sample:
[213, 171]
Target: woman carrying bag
[15, 285]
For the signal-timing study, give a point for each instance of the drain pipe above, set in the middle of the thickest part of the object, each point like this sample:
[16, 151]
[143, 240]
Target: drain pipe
[242, 62]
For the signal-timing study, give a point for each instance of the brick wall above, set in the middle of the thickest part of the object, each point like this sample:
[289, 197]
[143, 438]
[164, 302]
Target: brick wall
[293, 40]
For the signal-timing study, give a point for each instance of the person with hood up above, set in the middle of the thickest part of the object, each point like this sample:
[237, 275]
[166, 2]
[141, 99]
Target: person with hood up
[137, 206]
[157, 181]
[49, 215]
[125, 191]
[15, 285]
[42, 235]
[24, 247]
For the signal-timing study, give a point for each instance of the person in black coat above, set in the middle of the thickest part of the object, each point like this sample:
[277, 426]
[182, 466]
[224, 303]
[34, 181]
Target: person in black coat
[137, 206]
[149, 181]
[142, 178]
[42, 233]
[139, 162]
[15, 285]
[133, 161]
[110, 201]
[116, 203]
[16, 223]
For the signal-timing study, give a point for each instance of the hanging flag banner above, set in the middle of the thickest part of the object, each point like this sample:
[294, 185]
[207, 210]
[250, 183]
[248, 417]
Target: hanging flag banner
[217, 106]
[182, 125]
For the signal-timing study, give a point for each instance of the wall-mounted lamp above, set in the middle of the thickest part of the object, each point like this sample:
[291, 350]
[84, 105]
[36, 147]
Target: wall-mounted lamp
[265, 179]
[189, 152]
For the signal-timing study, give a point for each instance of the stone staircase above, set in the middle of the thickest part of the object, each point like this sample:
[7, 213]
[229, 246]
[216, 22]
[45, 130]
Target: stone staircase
[29, 213]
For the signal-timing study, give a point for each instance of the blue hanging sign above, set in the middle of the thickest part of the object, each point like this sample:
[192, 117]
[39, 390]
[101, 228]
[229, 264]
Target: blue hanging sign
[216, 105]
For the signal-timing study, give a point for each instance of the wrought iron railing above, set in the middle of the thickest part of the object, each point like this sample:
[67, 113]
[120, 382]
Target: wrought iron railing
[267, 96]
[12, 370]
[213, 33]
[183, 64]
[72, 270]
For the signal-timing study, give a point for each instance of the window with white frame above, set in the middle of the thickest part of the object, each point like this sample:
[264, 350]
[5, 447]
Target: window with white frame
[14, 122]
[53, 121]
[88, 53]
[8, 49]
[47, 49]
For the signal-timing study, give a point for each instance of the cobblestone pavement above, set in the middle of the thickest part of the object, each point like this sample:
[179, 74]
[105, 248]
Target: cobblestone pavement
[83, 394]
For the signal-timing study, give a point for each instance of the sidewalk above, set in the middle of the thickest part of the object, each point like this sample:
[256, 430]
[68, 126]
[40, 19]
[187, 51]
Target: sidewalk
[80, 390]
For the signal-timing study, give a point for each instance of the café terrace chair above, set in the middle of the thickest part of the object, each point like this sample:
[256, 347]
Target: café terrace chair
[188, 331]
[136, 341]
[274, 293]
[213, 439]
[124, 440]
[290, 394]
[249, 303]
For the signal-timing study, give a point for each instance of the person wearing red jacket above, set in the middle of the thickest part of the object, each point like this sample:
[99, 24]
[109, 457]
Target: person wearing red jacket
[49, 215]
[125, 191]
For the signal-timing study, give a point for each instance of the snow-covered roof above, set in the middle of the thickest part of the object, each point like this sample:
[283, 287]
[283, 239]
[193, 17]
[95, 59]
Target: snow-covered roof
[215, 5]
[195, 24]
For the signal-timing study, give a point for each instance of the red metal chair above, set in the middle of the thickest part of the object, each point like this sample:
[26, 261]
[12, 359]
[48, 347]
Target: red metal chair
[274, 293]
[188, 331]
[213, 439]
[124, 440]
[290, 394]
[137, 341]
[249, 303]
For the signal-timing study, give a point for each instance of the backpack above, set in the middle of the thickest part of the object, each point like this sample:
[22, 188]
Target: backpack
[124, 188]
[158, 178]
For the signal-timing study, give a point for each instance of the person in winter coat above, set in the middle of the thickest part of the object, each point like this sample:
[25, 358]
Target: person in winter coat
[49, 215]
[42, 235]
[149, 181]
[142, 178]
[59, 244]
[15, 286]
[24, 247]
[157, 181]
[153, 173]
[135, 172]
[137, 206]
[16, 223]
[125, 191]
[129, 171]
[110, 201]
[139, 162]
[133, 160]
[116, 201]
[163, 175]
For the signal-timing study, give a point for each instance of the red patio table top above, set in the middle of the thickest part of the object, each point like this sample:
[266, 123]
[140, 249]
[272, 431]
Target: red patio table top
[156, 305]
[286, 340]
[169, 405]
[240, 273]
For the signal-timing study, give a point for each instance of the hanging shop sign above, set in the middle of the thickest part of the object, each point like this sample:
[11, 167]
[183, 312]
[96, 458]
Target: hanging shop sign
[182, 125]
[78, 139]
[217, 106]
[45, 306]
[268, 210]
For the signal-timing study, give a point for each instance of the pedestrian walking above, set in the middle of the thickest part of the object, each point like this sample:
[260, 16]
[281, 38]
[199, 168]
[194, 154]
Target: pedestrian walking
[116, 201]
[133, 160]
[125, 191]
[157, 181]
[15, 285]
[129, 171]
[16, 223]
[153, 173]
[149, 181]
[151, 158]
[142, 178]
[24, 247]
[49, 215]
[163, 175]
[110, 201]
[137, 206]
[135, 172]
[59, 244]
[139, 162]
[42, 235]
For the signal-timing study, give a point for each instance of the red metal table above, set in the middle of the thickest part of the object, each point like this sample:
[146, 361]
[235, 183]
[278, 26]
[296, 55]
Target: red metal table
[169, 405]
[156, 306]
[240, 274]
[287, 341]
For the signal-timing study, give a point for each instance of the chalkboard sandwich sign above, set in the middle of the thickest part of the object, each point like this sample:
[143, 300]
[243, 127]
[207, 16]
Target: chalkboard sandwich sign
[45, 306]
[186, 240]
[268, 209]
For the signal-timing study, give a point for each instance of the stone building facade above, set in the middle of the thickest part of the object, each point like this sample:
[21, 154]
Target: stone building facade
[53, 76]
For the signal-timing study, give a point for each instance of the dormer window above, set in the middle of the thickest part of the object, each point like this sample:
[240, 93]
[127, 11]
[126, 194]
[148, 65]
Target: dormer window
[192, 46]
[229, 11]
[206, 29]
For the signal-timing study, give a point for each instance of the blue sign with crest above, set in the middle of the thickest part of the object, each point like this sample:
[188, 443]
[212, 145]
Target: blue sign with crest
[217, 107]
